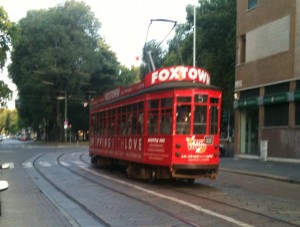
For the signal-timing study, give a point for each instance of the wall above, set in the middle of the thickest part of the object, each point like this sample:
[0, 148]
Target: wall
[286, 142]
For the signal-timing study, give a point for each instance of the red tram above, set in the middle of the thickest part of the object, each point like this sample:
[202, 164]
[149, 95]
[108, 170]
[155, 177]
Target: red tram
[166, 126]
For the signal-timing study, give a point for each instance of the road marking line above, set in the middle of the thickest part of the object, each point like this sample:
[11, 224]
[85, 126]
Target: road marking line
[27, 164]
[11, 165]
[196, 207]
[65, 164]
[45, 164]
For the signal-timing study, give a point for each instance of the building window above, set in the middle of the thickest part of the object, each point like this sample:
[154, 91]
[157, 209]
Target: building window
[297, 105]
[252, 4]
[277, 114]
[278, 88]
[297, 112]
[242, 50]
[249, 93]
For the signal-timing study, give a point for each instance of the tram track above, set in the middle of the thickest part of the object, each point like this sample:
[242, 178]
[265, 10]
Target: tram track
[226, 204]
[226, 218]
[66, 194]
[177, 217]
[81, 172]
[89, 211]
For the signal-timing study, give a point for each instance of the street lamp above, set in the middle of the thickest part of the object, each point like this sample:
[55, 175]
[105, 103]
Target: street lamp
[66, 113]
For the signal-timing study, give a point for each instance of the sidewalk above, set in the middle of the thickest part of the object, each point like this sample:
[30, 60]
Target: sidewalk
[289, 172]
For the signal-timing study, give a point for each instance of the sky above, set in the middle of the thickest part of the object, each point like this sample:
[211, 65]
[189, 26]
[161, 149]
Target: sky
[124, 23]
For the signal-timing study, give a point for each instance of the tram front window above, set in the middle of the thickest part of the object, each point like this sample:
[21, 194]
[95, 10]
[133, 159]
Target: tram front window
[183, 117]
[200, 119]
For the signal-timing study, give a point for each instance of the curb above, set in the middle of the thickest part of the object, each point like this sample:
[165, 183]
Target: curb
[262, 175]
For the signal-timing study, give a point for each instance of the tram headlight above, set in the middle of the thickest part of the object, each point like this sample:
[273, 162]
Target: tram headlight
[178, 145]
[208, 140]
[177, 154]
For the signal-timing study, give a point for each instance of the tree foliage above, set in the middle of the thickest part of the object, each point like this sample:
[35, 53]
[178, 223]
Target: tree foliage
[215, 43]
[8, 121]
[6, 35]
[5, 93]
[152, 54]
[128, 76]
[4, 113]
[59, 53]
[13, 122]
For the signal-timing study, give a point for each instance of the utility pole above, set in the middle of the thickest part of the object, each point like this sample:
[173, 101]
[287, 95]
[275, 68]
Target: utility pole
[194, 49]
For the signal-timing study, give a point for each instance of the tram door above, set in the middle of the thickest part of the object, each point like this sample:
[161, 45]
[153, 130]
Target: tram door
[249, 131]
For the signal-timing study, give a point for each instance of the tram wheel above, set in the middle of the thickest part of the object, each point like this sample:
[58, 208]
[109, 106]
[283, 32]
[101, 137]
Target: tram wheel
[130, 171]
[153, 176]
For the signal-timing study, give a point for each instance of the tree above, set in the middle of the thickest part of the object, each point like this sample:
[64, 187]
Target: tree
[6, 34]
[176, 47]
[152, 53]
[13, 126]
[215, 43]
[4, 115]
[59, 53]
[128, 76]
[216, 23]
[8, 121]
[5, 93]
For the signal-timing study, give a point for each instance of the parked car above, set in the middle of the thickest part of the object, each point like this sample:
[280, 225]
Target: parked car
[23, 137]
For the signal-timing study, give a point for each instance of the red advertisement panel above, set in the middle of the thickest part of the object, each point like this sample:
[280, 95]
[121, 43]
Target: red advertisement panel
[195, 150]
[158, 150]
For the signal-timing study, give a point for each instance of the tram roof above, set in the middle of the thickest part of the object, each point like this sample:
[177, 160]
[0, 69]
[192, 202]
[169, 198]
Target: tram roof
[173, 77]
[156, 88]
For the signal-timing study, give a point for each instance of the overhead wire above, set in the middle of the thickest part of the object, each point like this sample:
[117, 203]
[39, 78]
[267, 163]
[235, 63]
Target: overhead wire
[176, 40]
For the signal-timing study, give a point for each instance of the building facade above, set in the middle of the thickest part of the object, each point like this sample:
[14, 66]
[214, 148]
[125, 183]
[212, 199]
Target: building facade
[267, 79]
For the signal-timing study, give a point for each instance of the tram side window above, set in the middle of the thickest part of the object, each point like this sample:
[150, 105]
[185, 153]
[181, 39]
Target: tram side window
[102, 123]
[97, 126]
[120, 120]
[140, 117]
[183, 116]
[213, 120]
[93, 124]
[122, 124]
[111, 122]
[134, 119]
[153, 117]
[200, 119]
[128, 120]
[166, 116]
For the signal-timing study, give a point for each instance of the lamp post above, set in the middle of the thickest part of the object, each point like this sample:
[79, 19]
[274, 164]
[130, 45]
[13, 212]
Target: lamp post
[66, 114]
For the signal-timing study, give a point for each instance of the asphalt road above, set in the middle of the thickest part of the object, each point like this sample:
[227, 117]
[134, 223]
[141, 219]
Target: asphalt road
[55, 185]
